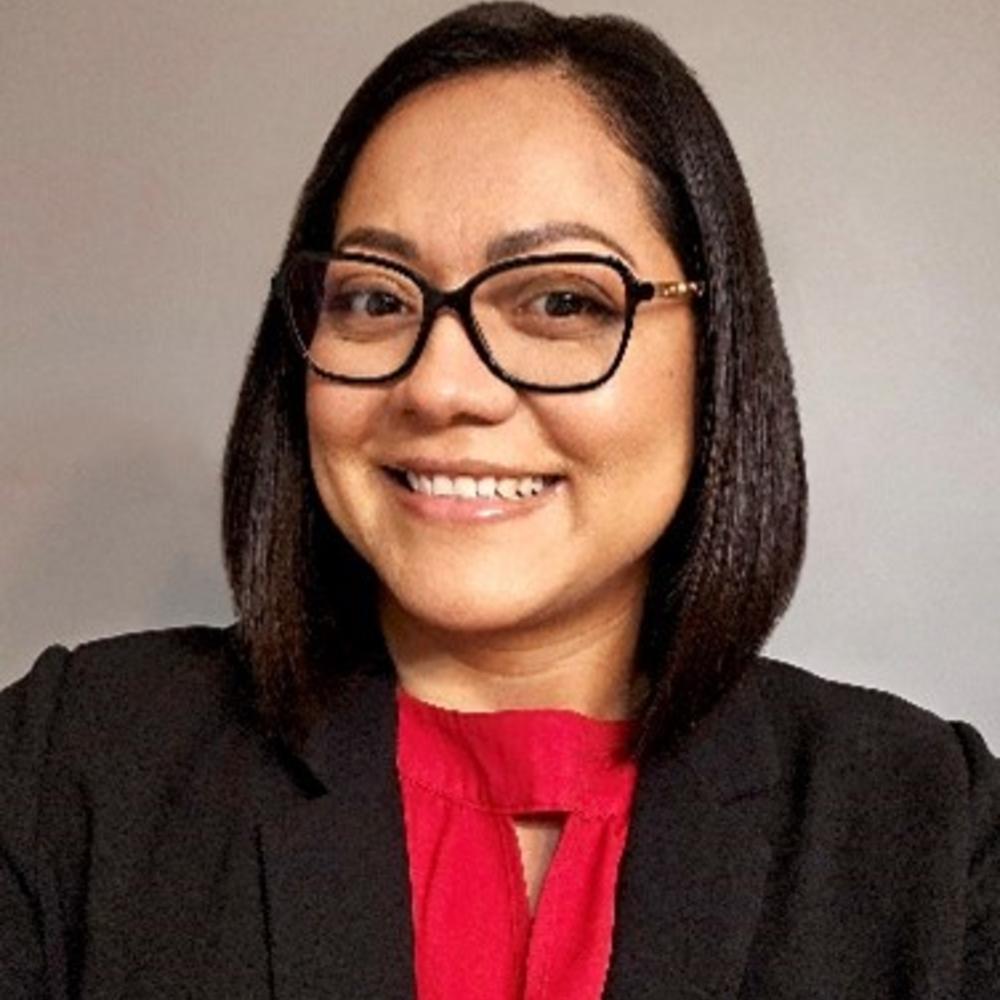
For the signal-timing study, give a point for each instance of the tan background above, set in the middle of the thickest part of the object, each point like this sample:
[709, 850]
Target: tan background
[151, 154]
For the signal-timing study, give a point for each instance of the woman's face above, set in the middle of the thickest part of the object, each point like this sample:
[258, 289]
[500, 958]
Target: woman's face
[455, 168]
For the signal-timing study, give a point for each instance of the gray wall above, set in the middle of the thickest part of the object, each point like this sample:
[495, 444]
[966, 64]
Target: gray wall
[151, 155]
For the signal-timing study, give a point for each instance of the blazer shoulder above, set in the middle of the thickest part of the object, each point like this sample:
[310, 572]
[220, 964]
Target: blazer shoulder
[818, 701]
[177, 669]
[871, 737]
[102, 726]
[138, 693]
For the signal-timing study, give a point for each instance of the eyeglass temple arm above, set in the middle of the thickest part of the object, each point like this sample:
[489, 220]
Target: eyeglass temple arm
[678, 289]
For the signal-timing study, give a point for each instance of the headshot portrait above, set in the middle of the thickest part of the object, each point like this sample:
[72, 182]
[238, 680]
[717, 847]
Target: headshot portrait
[499, 502]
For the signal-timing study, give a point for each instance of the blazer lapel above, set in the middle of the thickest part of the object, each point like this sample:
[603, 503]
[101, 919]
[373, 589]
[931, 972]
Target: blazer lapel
[335, 877]
[696, 861]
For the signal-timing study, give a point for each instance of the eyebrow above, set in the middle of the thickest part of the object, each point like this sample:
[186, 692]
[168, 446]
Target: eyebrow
[512, 244]
[382, 240]
[525, 240]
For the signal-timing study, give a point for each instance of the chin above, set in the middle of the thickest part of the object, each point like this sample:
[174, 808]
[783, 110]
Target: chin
[497, 608]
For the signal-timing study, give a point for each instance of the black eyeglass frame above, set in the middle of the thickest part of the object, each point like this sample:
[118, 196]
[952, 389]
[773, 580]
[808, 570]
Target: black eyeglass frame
[459, 301]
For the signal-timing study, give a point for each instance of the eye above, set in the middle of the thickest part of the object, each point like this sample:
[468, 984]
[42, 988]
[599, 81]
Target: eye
[372, 303]
[566, 304]
[569, 300]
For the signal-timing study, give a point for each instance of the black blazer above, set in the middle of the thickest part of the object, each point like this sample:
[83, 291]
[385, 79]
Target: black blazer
[813, 841]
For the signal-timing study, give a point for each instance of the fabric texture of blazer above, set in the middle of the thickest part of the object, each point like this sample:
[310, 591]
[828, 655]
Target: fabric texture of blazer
[813, 841]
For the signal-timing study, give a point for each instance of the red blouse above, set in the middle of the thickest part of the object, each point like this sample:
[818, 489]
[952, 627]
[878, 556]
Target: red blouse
[463, 776]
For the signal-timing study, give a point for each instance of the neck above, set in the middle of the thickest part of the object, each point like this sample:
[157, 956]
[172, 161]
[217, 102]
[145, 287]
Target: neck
[585, 665]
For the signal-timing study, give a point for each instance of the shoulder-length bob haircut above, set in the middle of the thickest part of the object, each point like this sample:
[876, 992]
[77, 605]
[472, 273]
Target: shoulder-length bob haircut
[725, 568]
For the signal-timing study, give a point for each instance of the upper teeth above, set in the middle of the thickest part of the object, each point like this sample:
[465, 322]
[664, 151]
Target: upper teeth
[469, 488]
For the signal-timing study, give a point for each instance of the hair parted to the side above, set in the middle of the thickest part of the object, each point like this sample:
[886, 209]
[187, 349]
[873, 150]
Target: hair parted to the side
[725, 568]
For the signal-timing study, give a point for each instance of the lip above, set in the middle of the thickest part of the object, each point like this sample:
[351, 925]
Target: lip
[456, 510]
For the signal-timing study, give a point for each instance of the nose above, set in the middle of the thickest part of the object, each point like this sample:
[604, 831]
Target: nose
[450, 382]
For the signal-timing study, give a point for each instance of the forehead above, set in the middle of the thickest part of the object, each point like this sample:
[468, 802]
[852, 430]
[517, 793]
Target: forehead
[459, 163]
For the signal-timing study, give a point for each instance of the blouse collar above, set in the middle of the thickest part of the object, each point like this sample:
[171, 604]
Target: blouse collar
[517, 760]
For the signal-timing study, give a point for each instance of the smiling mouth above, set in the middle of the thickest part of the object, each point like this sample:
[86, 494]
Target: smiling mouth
[461, 487]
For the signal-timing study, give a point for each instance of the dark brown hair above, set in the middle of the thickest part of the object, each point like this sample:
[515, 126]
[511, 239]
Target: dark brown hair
[725, 568]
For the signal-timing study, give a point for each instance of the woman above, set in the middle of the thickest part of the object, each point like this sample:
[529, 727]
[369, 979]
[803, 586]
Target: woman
[513, 496]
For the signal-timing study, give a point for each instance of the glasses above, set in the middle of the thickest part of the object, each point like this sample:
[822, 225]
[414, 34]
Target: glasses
[548, 323]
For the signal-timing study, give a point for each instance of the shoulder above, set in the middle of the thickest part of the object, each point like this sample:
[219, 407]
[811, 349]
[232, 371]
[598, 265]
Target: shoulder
[113, 738]
[842, 747]
[799, 700]
[130, 672]
[170, 675]
[885, 825]
[144, 694]
[815, 714]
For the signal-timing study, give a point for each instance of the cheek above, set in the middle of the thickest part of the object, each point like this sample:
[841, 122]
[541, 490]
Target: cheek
[340, 420]
[633, 439]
